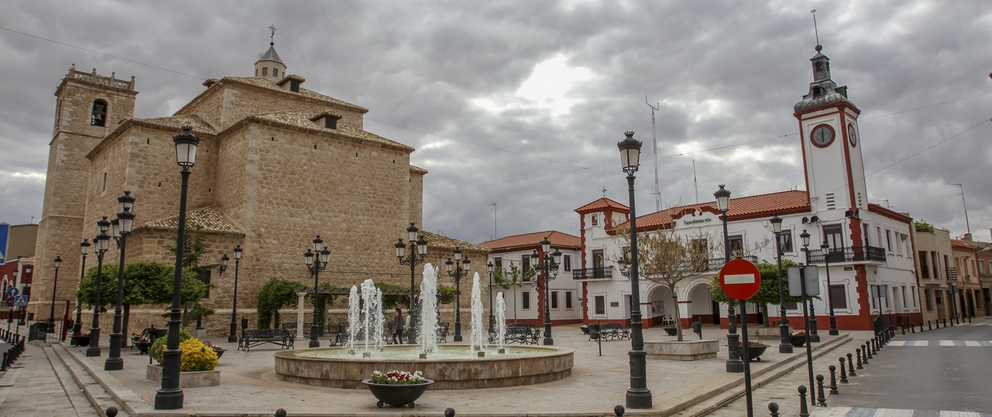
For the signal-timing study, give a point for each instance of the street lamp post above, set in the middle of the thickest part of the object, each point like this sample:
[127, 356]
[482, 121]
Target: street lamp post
[233, 336]
[549, 268]
[315, 266]
[102, 241]
[170, 396]
[492, 316]
[455, 269]
[121, 227]
[638, 395]
[55, 285]
[785, 345]
[806, 322]
[84, 249]
[830, 296]
[734, 362]
[418, 249]
[811, 329]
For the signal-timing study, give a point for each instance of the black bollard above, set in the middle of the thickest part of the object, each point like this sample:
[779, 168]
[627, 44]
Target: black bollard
[843, 371]
[773, 407]
[952, 322]
[864, 355]
[821, 399]
[112, 412]
[930, 325]
[857, 352]
[868, 349]
[3, 365]
[833, 380]
[912, 328]
[803, 411]
[850, 365]
[280, 413]
[449, 412]
[969, 319]
[618, 410]
[904, 329]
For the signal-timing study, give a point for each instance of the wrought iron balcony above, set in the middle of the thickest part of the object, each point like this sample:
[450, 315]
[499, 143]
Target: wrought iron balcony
[952, 274]
[848, 254]
[592, 273]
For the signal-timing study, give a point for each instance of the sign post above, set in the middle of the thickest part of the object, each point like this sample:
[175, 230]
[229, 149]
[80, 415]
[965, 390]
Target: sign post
[740, 280]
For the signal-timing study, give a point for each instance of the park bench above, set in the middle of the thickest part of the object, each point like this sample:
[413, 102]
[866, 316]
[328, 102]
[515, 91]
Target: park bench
[252, 338]
[149, 334]
[523, 333]
[442, 331]
[614, 331]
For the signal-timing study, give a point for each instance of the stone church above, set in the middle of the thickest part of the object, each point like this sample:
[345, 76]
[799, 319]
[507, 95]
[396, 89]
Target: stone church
[277, 165]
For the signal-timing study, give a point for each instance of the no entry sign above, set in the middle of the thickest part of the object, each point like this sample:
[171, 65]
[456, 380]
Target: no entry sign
[740, 279]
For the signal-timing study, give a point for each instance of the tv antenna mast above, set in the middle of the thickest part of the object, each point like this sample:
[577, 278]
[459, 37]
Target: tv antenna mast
[654, 139]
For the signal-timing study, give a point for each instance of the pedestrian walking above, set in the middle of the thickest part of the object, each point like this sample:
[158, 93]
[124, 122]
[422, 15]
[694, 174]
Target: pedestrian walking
[399, 323]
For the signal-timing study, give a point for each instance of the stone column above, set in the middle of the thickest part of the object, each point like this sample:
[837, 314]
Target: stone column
[299, 314]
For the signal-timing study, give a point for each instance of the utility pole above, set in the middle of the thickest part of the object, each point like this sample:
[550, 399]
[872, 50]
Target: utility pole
[654, 138]
[965, 204]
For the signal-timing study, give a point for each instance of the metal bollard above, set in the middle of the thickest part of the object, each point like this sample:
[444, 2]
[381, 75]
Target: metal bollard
[773, 407]
[843, 371]
[803, 411]
[952, 322]
[281, 413]
[969, 319]
[868, 348]
[850, 365]
[449, 412]
[821, 399]
[903, 329]
[112, 412]
[833, 380]
[618, 410]
[864, 355]
[912, 328]
[3, 365]
[857, 352]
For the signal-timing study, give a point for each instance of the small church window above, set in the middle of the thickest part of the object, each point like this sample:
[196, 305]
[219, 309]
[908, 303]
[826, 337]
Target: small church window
[98, 117]
[265, 71]
[275, 72]
[819, 66]
[331, 122]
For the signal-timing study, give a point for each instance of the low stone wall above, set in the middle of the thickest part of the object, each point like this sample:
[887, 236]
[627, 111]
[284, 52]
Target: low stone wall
[186, 379]
[688, 350]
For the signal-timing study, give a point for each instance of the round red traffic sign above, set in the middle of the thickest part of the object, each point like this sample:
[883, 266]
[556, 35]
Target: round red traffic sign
[10, 301]
[740, 279]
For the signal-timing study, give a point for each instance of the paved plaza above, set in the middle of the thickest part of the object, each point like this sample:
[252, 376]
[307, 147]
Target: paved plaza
[59, 380]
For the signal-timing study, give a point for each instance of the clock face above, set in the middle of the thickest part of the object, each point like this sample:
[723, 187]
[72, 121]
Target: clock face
[852, 136]
[823, 135]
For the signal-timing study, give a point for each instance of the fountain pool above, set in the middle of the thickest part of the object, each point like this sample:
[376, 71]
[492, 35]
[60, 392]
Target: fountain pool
[451, 366]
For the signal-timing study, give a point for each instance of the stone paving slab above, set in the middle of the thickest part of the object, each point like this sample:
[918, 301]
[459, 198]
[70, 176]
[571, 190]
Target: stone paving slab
[249, 386]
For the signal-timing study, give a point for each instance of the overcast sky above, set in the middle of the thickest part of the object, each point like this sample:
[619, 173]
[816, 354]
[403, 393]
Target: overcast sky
[521, 103]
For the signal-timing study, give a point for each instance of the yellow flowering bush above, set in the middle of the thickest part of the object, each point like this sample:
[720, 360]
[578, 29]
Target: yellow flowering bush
[197, 356]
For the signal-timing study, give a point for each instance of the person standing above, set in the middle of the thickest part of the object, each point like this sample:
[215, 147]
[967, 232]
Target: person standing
[399, 322]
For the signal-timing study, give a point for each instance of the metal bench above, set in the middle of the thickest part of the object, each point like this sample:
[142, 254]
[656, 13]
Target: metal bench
[149, 334]
[523, 333]
[614, 330]
[252, 338]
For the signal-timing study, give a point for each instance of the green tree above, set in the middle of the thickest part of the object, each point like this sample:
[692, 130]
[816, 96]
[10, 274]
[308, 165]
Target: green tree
[194, 247]
[512, 277]
[274, 295]
[666, 258]
[767, 292]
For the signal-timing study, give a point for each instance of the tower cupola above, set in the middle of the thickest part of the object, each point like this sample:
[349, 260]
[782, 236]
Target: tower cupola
[270, 65]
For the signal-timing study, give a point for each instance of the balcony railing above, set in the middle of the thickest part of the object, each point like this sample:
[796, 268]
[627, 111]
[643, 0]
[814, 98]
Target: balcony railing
[849, 254]
[952, 274]
[716, 263]
[592, 273]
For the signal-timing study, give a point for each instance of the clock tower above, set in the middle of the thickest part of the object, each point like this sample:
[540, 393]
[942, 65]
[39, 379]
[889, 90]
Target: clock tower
[831, 143]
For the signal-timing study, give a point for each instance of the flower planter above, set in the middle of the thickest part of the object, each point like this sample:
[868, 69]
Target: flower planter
[188, 379]
[142, 347]
[79, 341]
[672, 331]
[797, 341]
[220, 352]
[754, 352]
[397, 395]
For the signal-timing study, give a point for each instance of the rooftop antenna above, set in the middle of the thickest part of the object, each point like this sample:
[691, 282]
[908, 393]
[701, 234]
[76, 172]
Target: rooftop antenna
[495, 234]
[692, 153]
[272, 38]
[968, 225]
[654, 139]
[816, 32]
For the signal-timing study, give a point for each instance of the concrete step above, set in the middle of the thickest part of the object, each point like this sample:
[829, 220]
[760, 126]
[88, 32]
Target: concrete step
[74, 376]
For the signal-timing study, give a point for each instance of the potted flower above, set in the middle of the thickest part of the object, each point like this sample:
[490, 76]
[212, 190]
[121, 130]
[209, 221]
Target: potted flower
[397, 388]
[217, 349]
[79, 340]
[671, 329]
[754, 349]
[797, 338]
[142, 343]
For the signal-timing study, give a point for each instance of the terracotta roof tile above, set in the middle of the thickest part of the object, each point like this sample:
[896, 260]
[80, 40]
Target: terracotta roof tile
[741, 208]
[304, 119]
[177, 122]
[210, 219]
[273, 85]
[601, 204]
[557, 239]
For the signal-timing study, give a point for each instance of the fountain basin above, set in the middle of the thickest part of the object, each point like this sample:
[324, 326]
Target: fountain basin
[519, 366]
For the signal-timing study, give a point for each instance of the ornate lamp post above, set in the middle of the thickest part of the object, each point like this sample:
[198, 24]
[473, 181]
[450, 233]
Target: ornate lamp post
[418, 249]
[315, 266]
[734, 362]
[233, 336]
[84, 249]
[170, 396]
[121, 227]
[102, 242]
[785, 345]
[813, 337]
[492, 316]
[549, 268]
[455, 269]
[638, 395]
[55, 285]
[830, 296]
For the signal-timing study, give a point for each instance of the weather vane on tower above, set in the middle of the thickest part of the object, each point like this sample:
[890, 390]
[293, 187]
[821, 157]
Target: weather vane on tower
[272, 38]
